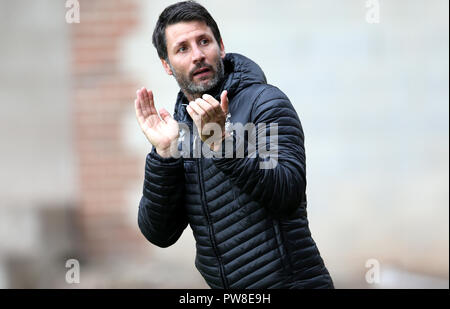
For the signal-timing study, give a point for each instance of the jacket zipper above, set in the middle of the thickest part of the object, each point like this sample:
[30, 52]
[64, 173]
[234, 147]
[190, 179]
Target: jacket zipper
[204, 206]
[210, 232]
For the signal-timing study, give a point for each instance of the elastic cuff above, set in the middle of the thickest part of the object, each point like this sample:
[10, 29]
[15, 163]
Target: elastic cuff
[154, 155]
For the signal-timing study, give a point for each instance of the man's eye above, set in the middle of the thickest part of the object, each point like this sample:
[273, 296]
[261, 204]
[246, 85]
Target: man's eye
[204, 42]
[182, 49]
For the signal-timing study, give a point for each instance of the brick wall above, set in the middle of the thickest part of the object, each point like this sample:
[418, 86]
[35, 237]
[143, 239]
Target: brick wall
[101, 95]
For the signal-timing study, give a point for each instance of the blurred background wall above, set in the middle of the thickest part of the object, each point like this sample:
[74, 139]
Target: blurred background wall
[372, 98]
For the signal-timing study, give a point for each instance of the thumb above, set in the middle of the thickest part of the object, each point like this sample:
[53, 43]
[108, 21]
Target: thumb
[165, 115]
[224, 101]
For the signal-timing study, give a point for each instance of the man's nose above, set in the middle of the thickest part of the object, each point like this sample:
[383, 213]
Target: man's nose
[197, 54]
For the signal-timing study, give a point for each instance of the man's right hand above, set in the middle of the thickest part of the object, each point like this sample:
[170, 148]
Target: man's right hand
[162, 132]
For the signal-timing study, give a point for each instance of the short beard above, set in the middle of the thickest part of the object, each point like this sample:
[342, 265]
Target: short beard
[188, 85]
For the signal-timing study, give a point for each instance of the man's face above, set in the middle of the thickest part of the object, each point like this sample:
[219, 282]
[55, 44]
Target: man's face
[194, 57]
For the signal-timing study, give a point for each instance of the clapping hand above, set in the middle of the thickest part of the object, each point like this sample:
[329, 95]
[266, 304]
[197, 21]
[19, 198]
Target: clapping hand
[161, 130]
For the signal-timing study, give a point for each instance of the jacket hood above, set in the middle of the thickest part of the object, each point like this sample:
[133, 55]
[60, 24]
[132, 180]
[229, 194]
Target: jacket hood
[240, 73]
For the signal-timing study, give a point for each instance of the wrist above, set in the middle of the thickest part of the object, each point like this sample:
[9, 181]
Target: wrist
[164, 153]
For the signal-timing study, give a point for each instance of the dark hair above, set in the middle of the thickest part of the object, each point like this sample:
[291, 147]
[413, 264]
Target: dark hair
[181, 12]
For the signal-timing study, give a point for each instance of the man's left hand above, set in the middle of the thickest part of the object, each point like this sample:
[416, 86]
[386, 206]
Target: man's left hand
[209, 115]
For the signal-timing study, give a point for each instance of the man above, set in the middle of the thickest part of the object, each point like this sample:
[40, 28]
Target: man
[249, 219]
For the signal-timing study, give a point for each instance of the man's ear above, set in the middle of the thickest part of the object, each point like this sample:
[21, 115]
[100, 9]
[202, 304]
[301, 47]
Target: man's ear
[166, 67]
[222, 49]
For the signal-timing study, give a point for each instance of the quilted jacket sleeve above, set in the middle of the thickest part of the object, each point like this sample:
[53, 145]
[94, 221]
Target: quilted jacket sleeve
[280, 189]
[161, 216]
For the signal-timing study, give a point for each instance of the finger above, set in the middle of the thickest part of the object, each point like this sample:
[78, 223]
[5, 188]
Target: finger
[195, 117]
[165, 115]
[152, 102]
[198, 110]
[146, 99]
[139, 115]
[207, 107]
[224, 101]
[191, 112]
[212, 101]
[140, 100]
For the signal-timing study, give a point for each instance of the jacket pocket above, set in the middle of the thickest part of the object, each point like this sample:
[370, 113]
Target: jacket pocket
[283, 251]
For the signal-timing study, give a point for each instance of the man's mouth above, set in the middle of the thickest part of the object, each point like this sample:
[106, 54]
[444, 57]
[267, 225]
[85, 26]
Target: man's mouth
[201, 72]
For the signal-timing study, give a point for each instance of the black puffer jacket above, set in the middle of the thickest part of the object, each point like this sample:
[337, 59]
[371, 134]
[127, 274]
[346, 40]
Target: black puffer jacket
[249, 223]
